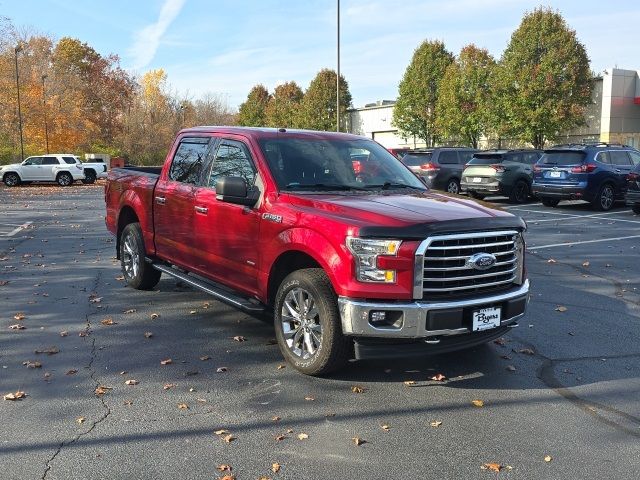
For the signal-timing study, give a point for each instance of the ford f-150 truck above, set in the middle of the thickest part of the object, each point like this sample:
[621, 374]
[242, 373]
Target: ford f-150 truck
[352, 262]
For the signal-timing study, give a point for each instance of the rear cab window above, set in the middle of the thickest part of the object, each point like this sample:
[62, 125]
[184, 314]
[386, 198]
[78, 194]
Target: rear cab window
[189, 159]
[562, 157]
[487, 159]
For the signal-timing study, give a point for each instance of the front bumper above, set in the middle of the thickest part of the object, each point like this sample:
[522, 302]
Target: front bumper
[429, 320]
[493, 187]
[561, 192]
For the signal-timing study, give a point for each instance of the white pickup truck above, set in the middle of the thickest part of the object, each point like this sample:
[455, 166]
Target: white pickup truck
[60, 168]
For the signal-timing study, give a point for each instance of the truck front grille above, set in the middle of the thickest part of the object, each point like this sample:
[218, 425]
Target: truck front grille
[448, 273]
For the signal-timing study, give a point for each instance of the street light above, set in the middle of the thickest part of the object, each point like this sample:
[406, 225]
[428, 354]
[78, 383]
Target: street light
[44, 108]
[338, 72]
[182, 109]
[17, 49]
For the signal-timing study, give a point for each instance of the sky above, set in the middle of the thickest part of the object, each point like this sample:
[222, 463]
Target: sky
[225, 47]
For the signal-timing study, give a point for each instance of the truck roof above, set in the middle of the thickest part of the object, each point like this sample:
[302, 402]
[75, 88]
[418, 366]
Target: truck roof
[264, 132]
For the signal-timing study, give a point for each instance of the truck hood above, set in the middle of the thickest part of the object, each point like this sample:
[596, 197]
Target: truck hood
[398, 210]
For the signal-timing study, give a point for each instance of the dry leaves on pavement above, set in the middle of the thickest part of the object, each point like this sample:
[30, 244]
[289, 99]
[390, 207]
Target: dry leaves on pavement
[561, 308]
[221, 369]
[30, 364]
[303, 436]
[19, 395]
[548, 458]
[166, 361]
[477, 403]
[358, 441]
[19, 316]
[148, 334]
[358, 389]
[526, 351]
[17, 326]
[239, 338]
[275, 467]
[436, 423]
[131, 382]
[108, 321]
[73, 371]
[167, 386]
[49, 351]
[409, 383]
[494, 467]
[224, 468]
[183, 406]
[438, 377]
[101, 390]
[228, 438]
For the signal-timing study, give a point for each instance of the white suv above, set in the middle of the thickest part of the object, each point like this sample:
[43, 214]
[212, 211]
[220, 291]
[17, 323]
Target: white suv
[63, 169]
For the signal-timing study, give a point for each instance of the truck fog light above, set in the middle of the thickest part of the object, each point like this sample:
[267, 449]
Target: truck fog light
[377, 317]
[389, 319]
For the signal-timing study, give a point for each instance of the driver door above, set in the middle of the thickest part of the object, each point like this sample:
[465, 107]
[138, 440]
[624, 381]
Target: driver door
[31, 169]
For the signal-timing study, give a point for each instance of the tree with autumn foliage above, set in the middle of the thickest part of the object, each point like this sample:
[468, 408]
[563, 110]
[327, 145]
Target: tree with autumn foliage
[282, 110]
[252, 113]
[318, 106]
[464, 97]
[543, 80]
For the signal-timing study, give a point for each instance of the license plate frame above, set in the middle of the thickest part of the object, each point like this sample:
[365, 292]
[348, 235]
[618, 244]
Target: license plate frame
[477, 180]
[555, 174]
[486, 318]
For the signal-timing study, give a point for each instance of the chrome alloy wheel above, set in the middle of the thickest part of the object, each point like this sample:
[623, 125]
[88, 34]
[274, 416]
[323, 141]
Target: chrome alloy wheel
[301, 323]
[452, 187]
[606, 197]
[130, 257]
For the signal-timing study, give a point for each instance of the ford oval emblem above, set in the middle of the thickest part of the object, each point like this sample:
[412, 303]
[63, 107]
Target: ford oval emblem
[482, 261]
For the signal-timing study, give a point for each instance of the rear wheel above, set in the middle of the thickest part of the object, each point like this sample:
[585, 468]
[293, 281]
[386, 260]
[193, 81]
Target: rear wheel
[89, 177]
[605, 198]
[519, 192]
[307, 323]
[453, 186]
[137, 272]
[64, 179]
[11, 180]
[550, 202]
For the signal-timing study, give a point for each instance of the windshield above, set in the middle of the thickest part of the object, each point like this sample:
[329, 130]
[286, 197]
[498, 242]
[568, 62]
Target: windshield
[300, 163]
[562, 158]
[490, 159]
[416, 159]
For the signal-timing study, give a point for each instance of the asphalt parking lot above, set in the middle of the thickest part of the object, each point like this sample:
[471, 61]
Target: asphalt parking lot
[559, 395]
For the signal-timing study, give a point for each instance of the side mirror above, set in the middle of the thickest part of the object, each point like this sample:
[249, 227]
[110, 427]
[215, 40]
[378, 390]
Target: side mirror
[234, 190]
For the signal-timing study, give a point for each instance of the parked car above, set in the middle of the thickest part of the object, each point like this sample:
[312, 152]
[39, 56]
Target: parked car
[592, 172]
[500, 172]
[61, 168]
[94, 170]
[441, 167]
[632, 194]
[351, 265]
[398, 152]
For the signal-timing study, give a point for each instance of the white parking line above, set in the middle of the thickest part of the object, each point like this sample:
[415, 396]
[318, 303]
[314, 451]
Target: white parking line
[567, 244]
[18, 229]
[595, 216]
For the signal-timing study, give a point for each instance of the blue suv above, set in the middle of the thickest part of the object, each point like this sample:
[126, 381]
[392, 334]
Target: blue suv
[592, 172]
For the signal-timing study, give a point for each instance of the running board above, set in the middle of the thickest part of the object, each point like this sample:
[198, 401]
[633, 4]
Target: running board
[212, 289]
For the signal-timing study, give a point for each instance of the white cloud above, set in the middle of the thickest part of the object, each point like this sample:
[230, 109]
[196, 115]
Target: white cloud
[147, 40]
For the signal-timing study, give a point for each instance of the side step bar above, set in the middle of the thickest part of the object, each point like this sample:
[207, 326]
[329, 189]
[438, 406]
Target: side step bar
[211, 288]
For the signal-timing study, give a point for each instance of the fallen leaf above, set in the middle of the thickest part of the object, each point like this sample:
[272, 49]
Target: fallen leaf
[19, 316]
[358, 389]
[608, 265]
[511, 368]
[17, 326]
[228, 477]
[438, 377]
[500, 341]
[505, 357]
[409, 383]
[263, 477]
[585, 264]
[49, 351]
[167, 386]
[148, 334]
[120, 278]
[289, 430]
[101, 390]
[201, 400]
[436, 423]
[154, 316]
[560, 308]
[494, 467]
[526, 351]
[123, 372]
[224, 468]
[239, 338]
[309, 399]
[192, 312]
[477, 403]
[221, 432]
[551, 260]
[280, 438]
[108, 321]
[303, 436]
[131, 382]
[229, 438]
[280, 367]
[547, 458]
[128, 402]
[73, 371]
[204, 358]
[64, 333]
[80, 420]
[275, 467]
[386, 428]
[19, 395]
[30, 364]
[4, 282]
[358, 441]
[83, 333]
[276, 418]
[329, 414]
[47, 375]
[183, 406]
[221, 369]
[95, 300]
[166, 361]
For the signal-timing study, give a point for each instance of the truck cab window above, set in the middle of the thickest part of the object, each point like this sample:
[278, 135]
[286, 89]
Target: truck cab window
[188, 160]
[232, 160]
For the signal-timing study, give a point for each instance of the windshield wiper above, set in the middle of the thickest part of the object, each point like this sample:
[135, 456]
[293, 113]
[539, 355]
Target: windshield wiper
[390, 185]
[321, 186]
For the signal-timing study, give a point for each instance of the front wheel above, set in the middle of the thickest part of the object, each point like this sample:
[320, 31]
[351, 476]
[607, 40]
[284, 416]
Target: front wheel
[307, 323]
[137, 272]
[453, 186]
[64, 179]
[519, 192]
[550, 202]
[605, 198]
[11, 180]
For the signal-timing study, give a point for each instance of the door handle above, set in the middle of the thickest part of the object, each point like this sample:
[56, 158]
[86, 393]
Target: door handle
[618, 170]
[160, 200]
[203, 210]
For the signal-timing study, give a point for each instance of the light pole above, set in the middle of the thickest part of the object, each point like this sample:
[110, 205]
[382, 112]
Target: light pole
[44, 108]
[182, 109]
[18, 49]
[338, 69]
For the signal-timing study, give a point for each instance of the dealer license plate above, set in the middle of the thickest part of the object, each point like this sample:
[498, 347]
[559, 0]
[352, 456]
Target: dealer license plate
[486, 318]
[477, 180]
[555, 174]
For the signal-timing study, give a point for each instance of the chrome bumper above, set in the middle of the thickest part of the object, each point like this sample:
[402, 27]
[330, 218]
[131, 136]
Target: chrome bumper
[355, 314]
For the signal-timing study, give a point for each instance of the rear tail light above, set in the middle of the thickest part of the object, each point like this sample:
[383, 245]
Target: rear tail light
[633, 177]
[429, 167]
[537, 169]
[357, 167]
[584, 168]
[498, 168]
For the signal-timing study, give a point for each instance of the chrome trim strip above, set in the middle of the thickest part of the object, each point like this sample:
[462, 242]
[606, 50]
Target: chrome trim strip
[466, 267]
[467, 287]
[470, 277]
[477, 245]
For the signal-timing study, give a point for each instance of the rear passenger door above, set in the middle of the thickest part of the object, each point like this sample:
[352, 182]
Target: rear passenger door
[173, 202]
[449, 166]
[49, 170]
[622, 166]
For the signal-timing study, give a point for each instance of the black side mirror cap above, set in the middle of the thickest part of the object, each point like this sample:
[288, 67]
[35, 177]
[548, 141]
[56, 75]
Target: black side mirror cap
[234, 190]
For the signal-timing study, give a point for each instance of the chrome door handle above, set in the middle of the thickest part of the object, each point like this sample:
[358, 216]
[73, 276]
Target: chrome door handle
[617, 171]
[160, 200]
[203, 210]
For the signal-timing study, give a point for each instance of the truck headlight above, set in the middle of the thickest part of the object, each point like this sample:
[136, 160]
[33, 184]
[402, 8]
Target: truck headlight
[366, 253]
[519, 253]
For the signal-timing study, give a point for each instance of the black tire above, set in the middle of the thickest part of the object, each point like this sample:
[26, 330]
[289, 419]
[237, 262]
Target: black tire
[636, 208]
[605, 199]
[89, 177]
[11, 179]
[64, 179]
[520, 192]
[550, 202]
[333, 349]
[137, 272]
[476, 195]
[453, 186]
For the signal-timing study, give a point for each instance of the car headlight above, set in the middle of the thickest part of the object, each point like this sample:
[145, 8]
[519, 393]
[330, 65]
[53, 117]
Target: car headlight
[366, 253]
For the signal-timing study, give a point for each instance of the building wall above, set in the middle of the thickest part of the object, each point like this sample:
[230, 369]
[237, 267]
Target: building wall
[375, 122]
[621, 107]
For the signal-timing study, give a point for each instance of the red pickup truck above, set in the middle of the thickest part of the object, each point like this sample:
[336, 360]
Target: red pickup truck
[353, 262]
